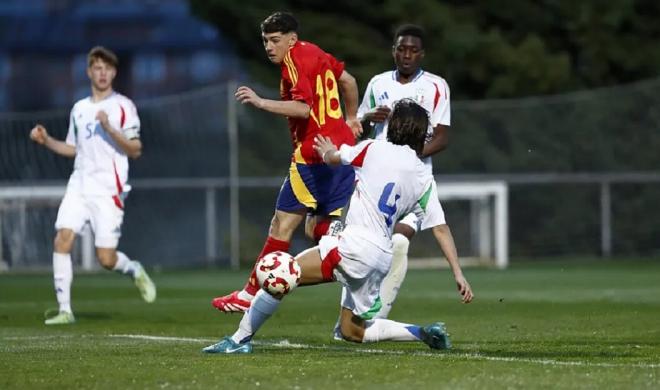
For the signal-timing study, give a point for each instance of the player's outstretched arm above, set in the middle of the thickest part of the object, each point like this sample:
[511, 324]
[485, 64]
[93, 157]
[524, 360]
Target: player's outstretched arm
[39, 134]
[445, 240]
[288, 108]
[132, 147]
[327, 150]
[349, 93]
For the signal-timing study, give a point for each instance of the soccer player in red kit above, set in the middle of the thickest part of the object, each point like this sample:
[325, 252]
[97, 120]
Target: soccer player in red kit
[309, 88]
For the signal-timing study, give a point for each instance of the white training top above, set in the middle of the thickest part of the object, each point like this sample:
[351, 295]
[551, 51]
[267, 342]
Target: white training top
[391, 181]
[428, 90]
[101, 167]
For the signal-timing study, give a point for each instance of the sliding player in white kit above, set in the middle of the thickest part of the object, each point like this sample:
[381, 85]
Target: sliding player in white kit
[408, 81]
[391, 181]
[104, 130]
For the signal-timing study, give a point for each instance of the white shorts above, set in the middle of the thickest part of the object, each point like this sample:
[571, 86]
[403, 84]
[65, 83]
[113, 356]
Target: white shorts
[104, 216]
[364, 262]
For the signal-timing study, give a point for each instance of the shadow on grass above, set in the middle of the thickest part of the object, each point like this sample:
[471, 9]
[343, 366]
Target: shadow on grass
[90, 315]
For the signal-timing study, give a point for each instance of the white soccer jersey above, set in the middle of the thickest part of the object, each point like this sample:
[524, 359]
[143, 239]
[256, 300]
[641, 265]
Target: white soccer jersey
[101, 167]
[391, 181]
[428, 90]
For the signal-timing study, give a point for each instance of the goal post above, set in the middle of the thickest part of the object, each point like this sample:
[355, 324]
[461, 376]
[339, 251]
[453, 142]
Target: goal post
[18, 207]
[487, 219]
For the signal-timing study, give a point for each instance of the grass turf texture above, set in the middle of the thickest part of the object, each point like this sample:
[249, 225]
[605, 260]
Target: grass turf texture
[594, 325]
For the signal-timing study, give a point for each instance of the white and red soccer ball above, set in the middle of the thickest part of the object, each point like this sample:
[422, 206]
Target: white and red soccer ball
[278, 273]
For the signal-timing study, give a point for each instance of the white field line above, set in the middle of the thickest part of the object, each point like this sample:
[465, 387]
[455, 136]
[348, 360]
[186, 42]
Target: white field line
[467, 356]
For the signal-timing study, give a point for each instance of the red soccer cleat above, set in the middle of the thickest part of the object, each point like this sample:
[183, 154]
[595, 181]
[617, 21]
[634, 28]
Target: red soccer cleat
[231, 303]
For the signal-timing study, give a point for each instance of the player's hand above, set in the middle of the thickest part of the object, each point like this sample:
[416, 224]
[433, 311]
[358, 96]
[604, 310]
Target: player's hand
[39, 134]
[246, 95]
[355, 125]
[324, 145]
[379, 114]
[464, 289]
[102, 117]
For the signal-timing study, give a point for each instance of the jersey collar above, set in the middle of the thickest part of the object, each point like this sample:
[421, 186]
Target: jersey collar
[395, 75]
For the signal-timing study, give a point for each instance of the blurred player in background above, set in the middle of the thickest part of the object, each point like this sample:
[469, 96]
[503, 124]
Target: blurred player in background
[104, 130]
[311, 81]
[391, 182]
[408, 81]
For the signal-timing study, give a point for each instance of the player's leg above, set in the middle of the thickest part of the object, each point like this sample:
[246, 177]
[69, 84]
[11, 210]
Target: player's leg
[71, 217]
[313, 270]
[106, 220]
[63, 276]
[317, 226]
[361, 303]
[356, 329]
[282, 226]
[403, 233]
[297, 195]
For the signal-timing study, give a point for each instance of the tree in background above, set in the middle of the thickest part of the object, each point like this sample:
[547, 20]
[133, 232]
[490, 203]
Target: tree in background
[484, 49]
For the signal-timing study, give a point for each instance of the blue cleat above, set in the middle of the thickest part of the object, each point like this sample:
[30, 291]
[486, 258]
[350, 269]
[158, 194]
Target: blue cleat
[227, 345]
[336, 333]
[435, 336]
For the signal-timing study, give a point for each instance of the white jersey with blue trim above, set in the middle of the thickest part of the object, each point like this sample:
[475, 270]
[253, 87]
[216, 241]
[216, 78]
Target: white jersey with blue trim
[101, 166]
[391, 181]
[428, 90]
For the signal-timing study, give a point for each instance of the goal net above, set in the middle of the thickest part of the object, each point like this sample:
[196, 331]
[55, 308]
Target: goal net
[477, 213]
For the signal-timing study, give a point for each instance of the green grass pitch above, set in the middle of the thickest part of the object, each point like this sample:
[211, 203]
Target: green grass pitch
[549, 325]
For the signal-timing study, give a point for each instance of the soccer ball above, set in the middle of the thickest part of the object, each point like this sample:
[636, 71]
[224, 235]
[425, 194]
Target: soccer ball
[278, 273]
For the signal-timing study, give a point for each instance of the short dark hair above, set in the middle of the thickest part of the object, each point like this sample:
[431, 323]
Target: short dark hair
[408, 125]
[412, 30]
[283, 22]
[101, 53]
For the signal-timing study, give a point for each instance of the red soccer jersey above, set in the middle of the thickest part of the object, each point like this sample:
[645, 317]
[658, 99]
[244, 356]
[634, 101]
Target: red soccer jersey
[310, 75]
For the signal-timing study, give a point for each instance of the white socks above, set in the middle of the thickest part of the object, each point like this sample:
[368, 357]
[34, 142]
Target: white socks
[63, 276]
[244, 295]
[389, 288]
[125, 265]
[262, 307]
[381, 330]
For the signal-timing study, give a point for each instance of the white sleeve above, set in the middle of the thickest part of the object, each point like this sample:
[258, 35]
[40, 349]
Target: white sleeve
[354, 155]
[429, 208]
[368, 100]
[131, 124]
[441, 114]
[73, 130]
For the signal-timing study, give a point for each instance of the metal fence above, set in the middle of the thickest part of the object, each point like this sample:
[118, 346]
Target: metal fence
[571, 193]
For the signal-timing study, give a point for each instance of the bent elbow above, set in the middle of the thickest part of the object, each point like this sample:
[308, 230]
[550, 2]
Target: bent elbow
[136, 154]
[303, 111]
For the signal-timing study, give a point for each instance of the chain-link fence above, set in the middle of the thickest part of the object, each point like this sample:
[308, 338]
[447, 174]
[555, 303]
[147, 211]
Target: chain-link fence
[186, 137]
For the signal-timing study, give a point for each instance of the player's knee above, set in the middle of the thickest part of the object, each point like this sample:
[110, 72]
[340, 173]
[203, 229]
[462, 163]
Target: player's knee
[107, 258]
[400, 243]
[282, 228]
[407, 231]
[310, 224]
[351, 330]
[277, 228]
[64, 240]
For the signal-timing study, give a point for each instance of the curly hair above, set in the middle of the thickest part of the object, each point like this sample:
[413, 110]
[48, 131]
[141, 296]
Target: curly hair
[408, 125]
